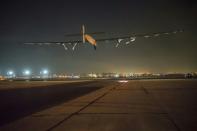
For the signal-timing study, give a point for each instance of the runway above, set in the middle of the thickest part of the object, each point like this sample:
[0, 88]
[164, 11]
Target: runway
[22, 98]
[139, 105]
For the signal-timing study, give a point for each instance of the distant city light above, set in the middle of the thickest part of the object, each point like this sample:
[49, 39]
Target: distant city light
[76, 76]
[116, 75]
[92, 75]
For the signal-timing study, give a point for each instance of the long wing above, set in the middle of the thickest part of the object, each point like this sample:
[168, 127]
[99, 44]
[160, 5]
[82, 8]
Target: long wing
[127, 39]
[58, 43]
[131, 38]
[147, 35]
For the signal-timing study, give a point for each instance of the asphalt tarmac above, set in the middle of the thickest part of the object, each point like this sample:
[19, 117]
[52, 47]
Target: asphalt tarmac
[22, 98]
[138, 105]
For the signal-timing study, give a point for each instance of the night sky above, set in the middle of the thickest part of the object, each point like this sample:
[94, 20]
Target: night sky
[31, 20]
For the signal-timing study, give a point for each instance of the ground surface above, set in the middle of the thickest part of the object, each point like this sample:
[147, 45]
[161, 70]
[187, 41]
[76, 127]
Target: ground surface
[139, 105]
[22, 98]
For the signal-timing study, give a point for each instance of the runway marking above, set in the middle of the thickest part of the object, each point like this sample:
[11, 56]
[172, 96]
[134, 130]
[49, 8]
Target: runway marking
[78, 112]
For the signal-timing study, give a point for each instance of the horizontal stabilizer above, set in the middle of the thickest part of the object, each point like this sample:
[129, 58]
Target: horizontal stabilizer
[91, 33]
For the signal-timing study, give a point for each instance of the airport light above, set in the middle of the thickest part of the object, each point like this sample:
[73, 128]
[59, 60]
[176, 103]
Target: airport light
[44, 72]
[10, 73]
[27, 72]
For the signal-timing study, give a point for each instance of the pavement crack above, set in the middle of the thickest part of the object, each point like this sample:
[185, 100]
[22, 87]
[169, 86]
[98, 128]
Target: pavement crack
[144, 89]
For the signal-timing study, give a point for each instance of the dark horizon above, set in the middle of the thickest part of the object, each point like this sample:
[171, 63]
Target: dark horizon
[27, 21]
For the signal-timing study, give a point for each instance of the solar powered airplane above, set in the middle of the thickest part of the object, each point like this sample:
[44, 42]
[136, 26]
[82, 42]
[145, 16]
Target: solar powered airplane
[87, 38]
